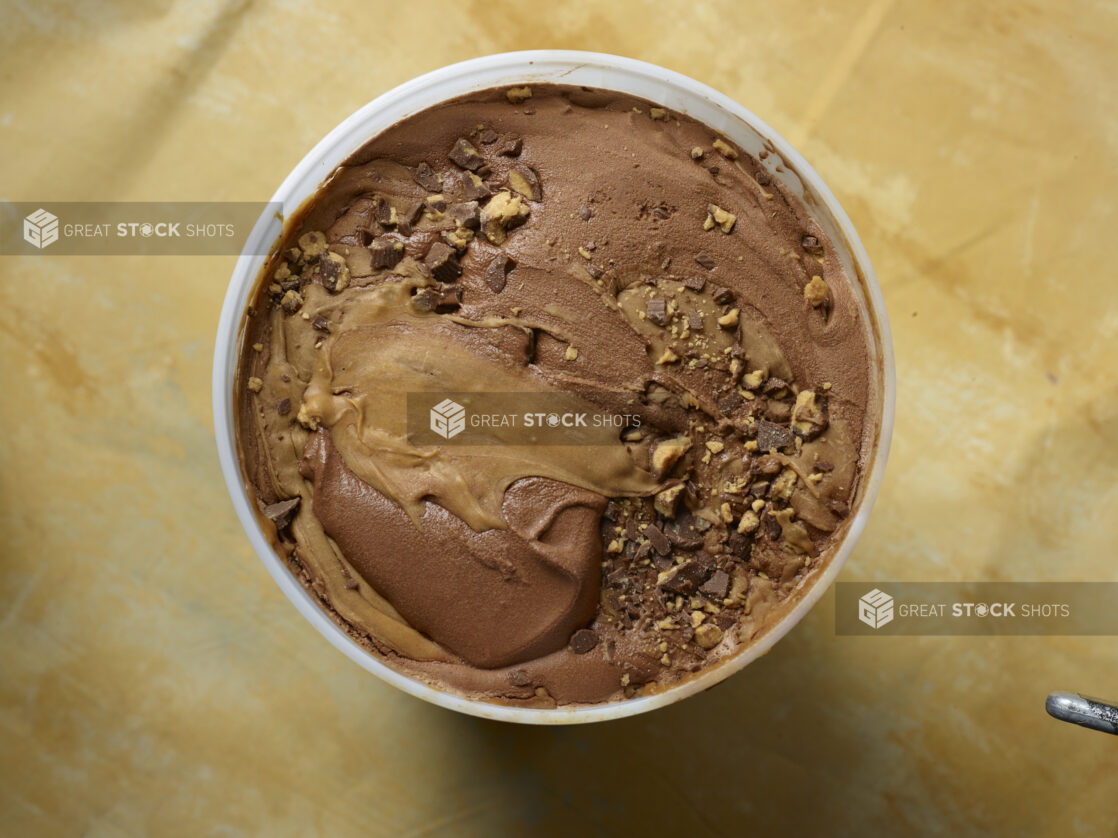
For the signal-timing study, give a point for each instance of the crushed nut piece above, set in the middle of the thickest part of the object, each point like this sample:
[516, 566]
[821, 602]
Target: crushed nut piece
[255, 384]
[658, 113]
[305, 419]
[720, 218]
[815, 292]
[725, 149]
[730, 319]
[697, 153]
[571, 353]
[516, 95]
[749, 521]
[708, 635]
[668, 357]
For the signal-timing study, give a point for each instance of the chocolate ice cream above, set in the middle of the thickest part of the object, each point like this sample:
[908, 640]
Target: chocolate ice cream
[616, 257]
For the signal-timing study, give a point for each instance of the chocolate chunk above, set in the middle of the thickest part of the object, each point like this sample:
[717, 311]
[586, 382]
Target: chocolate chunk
[292, 255]
[706, 260]
[386, 253]
[759, 489]
[694, 321]
[739, 544]
[824, 466]
[583, 640]
[774, 385]
[487, 136]
[641, 671]
[657, 539]
[496, 275]
[619, 578]
[440, 299]
[657, 311]
[695, 283]
[661, 563]
[519, 678]
[281, 512]
[436, 203]
[722, 296]
[425, 176]
[730, 403]
[476, 189]
[840, 508]
[642, 551]
[717, 586]
[683, 533]
[291, 284]
[383, 212]
[686, 578]
[283, 407]
[465, 155]
[772, 527]
[725, 620]
[321, 323]
[771, 435]
[442, 261]
[465, 215]
[811, 245]
[524, 180]
[762, 178]
[585, 213]
[511, 147]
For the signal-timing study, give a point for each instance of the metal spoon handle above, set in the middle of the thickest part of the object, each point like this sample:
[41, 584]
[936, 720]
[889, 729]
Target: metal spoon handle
[1081, 710]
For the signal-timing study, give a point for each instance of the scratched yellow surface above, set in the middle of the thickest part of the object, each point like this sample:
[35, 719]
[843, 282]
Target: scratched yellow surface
[153, 680]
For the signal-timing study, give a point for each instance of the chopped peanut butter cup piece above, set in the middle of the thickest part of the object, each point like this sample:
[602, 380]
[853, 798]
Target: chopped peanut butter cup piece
[426, 177]
[386, 253]
[525, 181]
[442, 261]
[465, 155]
[503, 212]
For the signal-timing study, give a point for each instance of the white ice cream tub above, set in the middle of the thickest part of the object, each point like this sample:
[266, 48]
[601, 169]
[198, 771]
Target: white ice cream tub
[608, 72]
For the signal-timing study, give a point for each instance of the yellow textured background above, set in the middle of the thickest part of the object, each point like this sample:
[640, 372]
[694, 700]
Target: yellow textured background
[153, 680]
